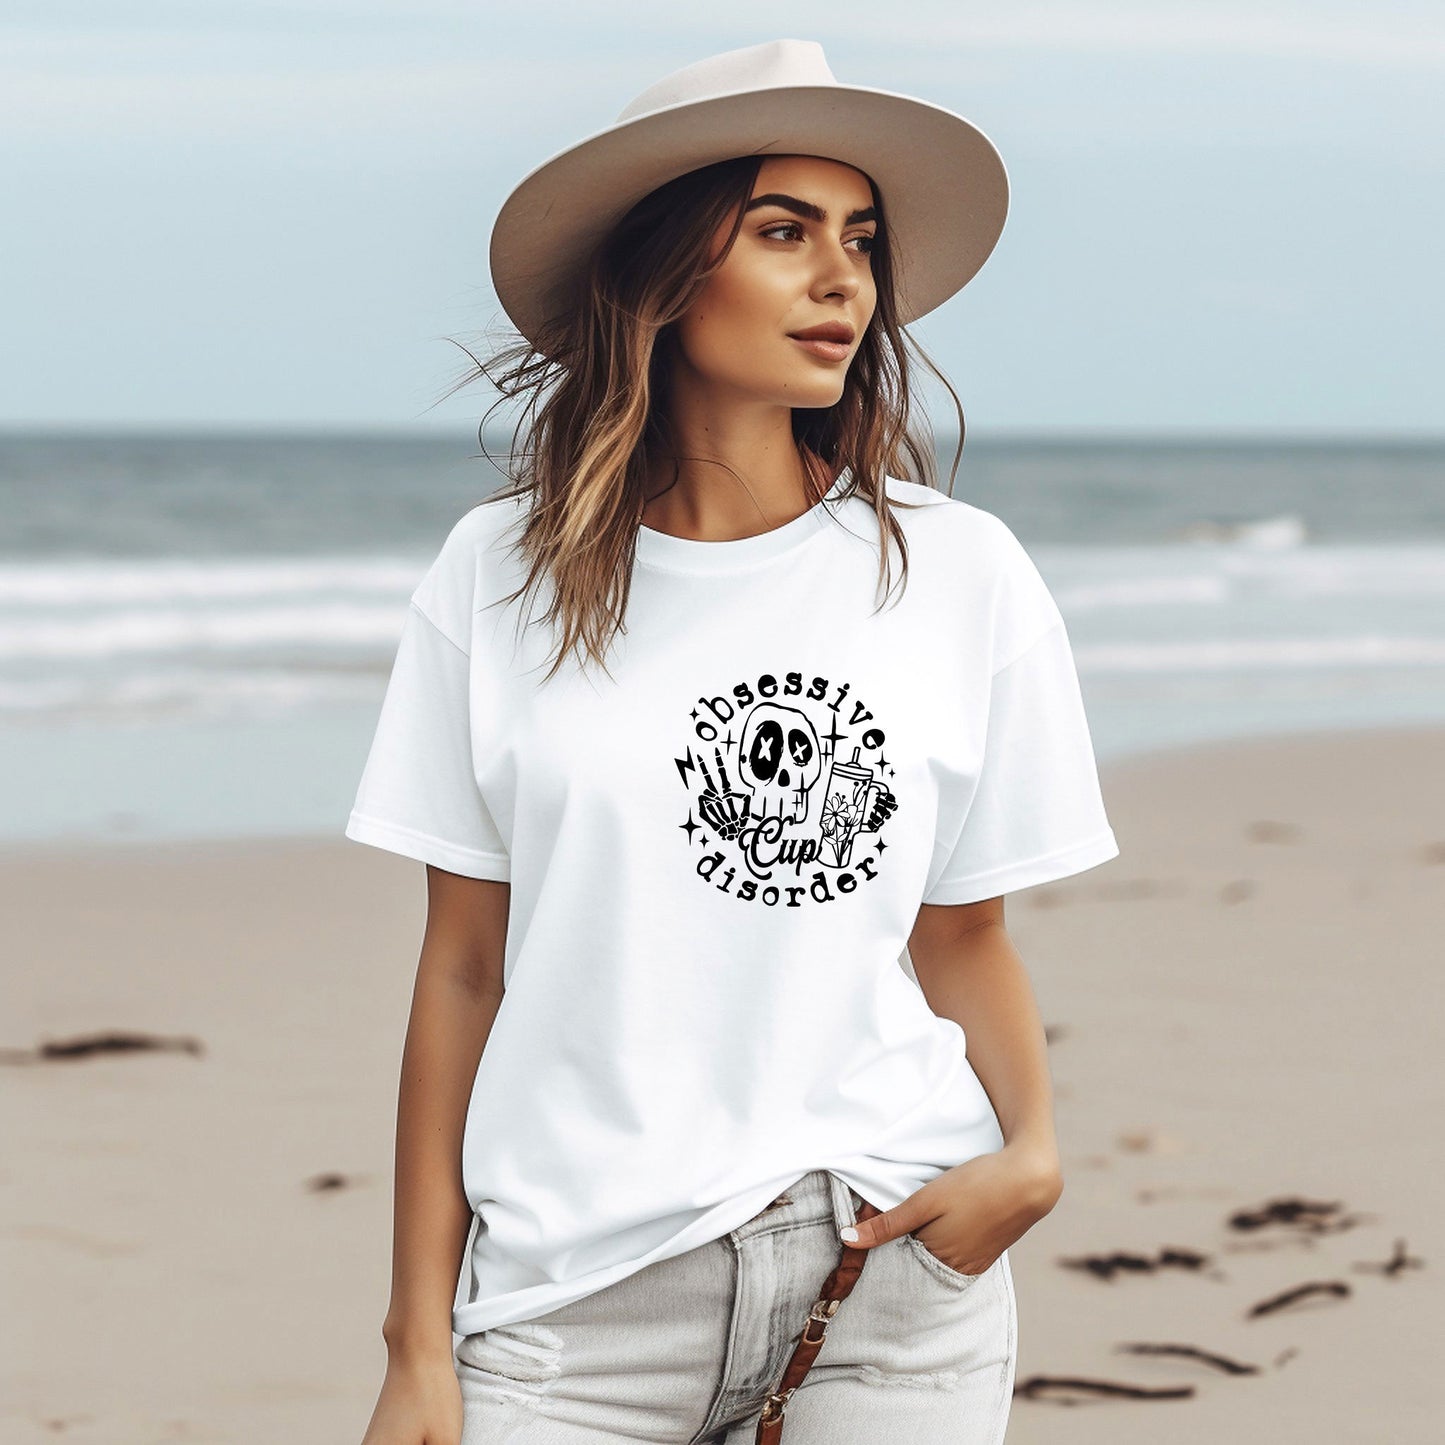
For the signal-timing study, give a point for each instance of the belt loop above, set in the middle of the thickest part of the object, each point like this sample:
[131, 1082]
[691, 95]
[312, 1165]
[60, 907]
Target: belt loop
[845, 1201]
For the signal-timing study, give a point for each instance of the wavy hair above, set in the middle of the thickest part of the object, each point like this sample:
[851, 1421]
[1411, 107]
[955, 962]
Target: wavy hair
[596, 421]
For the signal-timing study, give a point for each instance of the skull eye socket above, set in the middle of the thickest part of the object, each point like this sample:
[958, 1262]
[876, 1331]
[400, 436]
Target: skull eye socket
[766, 751]
[800, 747]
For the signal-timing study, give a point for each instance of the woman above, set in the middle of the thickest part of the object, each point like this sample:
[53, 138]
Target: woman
[662, 1018]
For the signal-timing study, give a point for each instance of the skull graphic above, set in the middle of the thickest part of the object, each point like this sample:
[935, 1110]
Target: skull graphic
[780, 760]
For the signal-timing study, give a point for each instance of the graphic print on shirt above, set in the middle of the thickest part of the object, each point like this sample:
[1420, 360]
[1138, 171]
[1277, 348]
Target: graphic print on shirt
[787, 789]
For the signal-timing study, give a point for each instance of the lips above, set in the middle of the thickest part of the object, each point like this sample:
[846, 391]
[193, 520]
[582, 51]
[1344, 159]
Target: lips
[838, 331]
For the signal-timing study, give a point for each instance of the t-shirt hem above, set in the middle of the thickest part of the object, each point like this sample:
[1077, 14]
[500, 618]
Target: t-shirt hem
[452, 857]
[1061, 863]
[473, 1316]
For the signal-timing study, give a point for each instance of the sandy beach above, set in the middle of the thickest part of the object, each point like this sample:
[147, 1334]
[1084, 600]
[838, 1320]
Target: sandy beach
[1244, 1018]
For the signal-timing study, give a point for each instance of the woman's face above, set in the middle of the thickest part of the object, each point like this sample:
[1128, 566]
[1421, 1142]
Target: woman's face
[800, 260]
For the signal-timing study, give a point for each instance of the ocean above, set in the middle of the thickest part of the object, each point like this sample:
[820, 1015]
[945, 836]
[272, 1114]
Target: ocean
[196, 630]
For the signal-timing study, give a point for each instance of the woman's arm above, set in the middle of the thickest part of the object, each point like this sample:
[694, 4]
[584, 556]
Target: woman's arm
[968, 1215]
[458, 991]
[454, 1004]
[970, 972]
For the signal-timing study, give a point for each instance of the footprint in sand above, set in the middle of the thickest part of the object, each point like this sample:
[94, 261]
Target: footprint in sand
[1266, 830]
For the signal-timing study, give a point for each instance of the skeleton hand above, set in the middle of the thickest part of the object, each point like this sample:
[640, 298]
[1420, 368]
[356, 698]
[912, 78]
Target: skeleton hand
[725, 810]
[884, 806]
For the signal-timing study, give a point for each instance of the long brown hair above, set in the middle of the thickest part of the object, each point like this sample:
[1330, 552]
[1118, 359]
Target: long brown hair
[597, 422]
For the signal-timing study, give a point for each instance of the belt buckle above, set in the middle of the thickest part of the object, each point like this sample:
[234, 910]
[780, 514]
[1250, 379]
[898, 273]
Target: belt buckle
[821, 1313]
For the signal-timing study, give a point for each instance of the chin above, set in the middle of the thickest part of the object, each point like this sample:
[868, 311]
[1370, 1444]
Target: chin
[805, 389]
[819, 400]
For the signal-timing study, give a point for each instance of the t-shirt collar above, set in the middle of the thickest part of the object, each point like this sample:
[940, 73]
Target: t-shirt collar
[687, 554]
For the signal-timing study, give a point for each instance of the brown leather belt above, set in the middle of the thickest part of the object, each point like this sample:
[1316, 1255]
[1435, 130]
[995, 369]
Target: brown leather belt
[835, 1290]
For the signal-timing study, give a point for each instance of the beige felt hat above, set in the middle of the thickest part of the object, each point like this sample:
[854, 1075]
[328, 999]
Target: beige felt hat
[943, 183]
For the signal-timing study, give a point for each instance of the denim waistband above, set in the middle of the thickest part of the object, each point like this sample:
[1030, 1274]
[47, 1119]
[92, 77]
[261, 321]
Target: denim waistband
[819, 1196]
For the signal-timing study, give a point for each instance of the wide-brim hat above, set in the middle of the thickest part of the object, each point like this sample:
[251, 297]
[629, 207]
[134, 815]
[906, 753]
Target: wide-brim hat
[942, 181]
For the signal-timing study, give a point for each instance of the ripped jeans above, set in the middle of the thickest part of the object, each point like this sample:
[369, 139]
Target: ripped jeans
[685, 1350]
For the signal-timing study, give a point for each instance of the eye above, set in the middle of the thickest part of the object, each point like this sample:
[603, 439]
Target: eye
[781, 226]
[868, 241]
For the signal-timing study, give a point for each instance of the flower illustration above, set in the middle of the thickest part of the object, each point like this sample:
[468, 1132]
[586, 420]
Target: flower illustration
[834, 818]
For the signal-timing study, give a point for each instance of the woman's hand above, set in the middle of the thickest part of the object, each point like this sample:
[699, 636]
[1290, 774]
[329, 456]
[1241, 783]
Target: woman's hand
[420, 1403]
[971, 1213]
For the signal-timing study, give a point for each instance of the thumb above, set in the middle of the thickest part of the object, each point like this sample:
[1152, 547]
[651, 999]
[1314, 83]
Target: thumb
[873, 1226]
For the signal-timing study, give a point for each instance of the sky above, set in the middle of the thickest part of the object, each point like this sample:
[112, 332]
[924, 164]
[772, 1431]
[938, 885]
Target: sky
[1224, 217]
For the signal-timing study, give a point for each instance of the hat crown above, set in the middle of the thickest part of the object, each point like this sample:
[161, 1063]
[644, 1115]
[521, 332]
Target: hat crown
[943, 179]
[755, 67]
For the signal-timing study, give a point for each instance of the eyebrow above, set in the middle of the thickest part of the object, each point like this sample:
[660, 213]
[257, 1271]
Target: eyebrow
[808, 209]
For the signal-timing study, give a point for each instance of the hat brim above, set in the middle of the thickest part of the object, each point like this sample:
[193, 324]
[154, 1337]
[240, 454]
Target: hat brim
[944, 186]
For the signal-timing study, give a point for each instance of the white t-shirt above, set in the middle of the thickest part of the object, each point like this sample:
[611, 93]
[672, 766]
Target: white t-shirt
[716, 858]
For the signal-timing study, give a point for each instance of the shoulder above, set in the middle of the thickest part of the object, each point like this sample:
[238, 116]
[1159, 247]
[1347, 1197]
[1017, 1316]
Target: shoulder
[988, 572]
[972, 533]
[469, 563]
[483, 528]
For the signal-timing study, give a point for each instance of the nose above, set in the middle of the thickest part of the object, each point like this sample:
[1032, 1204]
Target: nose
[837, 272]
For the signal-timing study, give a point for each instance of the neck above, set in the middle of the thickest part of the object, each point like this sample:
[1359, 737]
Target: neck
[735, 478]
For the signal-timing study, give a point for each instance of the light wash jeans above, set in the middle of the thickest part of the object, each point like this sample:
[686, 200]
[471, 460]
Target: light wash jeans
[683, 1351]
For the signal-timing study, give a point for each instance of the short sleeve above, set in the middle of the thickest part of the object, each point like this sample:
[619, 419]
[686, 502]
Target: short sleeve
[1037, 813]
[418, 794]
